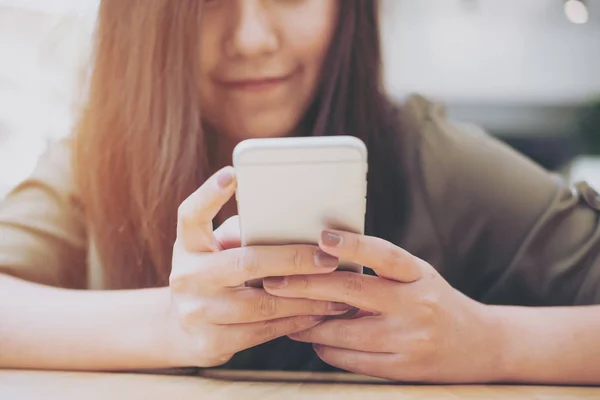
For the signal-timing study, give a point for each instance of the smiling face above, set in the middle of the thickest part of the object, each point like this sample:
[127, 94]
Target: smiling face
[261, 62]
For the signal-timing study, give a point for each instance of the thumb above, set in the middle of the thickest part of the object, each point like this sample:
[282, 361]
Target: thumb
[196, 213]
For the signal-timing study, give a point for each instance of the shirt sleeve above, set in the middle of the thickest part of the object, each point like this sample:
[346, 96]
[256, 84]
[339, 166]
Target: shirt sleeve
[42, 231]
[511, 232]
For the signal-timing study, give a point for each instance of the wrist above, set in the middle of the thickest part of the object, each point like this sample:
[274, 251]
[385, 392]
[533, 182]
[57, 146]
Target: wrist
[168, 339]
[490, 349]
[179, 348]
[152, 333]
[509, 336]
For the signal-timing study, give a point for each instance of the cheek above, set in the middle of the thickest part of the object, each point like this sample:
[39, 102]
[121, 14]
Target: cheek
[311, 51]
[310, 33]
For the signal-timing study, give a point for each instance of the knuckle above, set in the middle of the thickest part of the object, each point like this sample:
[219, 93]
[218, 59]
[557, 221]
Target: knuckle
[297, 260]
[356, 245]
[182, 211]
[429, 306]
[185, 212]
[300, 282]
[246, 262]
[191, 316]
[352, 284]
[177, 282]
[430, 272]
[266, 306]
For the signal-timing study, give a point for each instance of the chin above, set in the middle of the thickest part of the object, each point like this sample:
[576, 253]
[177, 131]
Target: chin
[265, 127]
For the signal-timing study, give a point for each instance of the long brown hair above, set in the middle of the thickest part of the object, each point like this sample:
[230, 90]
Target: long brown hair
[139, 147]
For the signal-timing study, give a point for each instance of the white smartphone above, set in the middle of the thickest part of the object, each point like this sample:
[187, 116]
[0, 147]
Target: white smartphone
[292, 189]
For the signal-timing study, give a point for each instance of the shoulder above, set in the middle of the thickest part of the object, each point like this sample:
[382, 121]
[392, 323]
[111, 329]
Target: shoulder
[454, 155]
[42, 224]
[50, 185]
[479, 196]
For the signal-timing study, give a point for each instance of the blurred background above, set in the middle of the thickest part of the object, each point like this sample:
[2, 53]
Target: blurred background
[527, 71]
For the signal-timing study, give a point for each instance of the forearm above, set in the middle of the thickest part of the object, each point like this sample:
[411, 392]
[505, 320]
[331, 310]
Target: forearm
[48, 328]
[550, 345]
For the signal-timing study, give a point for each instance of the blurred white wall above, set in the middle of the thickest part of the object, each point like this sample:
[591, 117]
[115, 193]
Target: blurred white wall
[42, 55]
[496, 51]
[78, 8]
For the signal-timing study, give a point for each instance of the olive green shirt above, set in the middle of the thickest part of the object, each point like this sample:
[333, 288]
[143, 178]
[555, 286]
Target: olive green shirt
[497, 226]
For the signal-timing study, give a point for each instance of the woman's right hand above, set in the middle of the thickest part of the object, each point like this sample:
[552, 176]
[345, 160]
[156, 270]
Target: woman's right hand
[215, 314]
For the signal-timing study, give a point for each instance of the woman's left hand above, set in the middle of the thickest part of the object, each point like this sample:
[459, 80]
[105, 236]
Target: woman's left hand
[414, 326]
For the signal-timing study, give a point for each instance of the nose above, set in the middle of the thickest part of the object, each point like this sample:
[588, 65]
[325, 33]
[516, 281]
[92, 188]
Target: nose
[253, 33]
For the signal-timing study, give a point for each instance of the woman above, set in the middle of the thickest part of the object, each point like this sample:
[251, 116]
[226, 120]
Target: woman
[461, 229]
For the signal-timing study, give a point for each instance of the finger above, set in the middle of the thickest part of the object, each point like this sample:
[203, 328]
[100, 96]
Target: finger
[386, 259]
[196, 213]
[251, 335]
[234, 267]
[247, 305]
[228, 234]
[364, 334]
[361, 291]
[363, 363]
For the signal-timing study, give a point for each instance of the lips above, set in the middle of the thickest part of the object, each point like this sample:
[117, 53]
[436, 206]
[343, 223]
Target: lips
[255, 84]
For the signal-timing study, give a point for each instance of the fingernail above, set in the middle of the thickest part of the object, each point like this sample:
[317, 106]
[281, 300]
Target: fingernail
[331, 239]
[339, 307]
[325, 260]
[225, 178]
[276, 282]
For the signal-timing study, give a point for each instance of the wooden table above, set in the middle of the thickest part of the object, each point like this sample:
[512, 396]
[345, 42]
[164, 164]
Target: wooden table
[27, 385]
